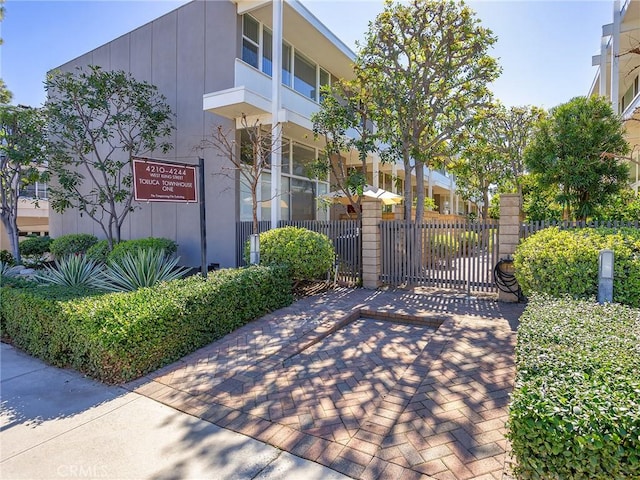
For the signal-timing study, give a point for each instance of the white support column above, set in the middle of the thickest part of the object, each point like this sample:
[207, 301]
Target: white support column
[276, 102]
[430, 184]
[603, 67]
[615, 51]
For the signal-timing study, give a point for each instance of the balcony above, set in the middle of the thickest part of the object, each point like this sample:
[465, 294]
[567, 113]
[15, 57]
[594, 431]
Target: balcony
[251, 96]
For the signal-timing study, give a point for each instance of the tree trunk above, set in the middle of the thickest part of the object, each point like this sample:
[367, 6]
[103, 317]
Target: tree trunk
[11, 227]
[407, 186]
[420, 192]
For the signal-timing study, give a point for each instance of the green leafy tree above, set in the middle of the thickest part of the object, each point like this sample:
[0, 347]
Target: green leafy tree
[539, 201]
[99, 121]
[576, 149]
[344, 123]
[427, 67]
[22, 152]
[508, 132]
[479, 167]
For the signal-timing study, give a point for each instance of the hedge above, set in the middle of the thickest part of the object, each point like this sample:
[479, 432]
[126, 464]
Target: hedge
[169, 247]
[575, 409]
[118, 337]
[72, 244]
[559, 262]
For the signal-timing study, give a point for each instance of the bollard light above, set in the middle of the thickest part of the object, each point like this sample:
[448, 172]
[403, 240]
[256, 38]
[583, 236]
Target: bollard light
[254, 249]
[605, 276]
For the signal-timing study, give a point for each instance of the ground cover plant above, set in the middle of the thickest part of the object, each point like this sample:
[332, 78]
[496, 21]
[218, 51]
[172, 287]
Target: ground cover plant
[116, 337]
[575, 410]
[558, 262]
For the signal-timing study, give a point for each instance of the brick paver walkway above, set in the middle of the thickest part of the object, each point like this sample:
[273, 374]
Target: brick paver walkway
[374, 384]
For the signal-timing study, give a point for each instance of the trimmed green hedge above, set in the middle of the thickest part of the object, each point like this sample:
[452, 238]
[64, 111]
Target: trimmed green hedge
[559, 262]
[120, 250]
[72, 244]
[120, 336]
[575, 410]
[35, 245]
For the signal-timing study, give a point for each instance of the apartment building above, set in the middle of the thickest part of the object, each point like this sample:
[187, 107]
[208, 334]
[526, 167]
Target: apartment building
[215, 62]
[618, 74]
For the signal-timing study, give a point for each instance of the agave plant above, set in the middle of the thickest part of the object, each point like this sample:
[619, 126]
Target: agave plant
[143, 268]
[73, 271]
[8, 270]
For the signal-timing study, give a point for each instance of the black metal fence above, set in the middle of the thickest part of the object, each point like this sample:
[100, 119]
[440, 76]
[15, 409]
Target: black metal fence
[345, 235]
[458, 255]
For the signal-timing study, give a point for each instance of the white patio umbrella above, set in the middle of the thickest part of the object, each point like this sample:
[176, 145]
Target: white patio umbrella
[386, 197]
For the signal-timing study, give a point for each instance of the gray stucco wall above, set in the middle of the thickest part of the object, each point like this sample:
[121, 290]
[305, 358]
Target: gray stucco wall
[186, 53]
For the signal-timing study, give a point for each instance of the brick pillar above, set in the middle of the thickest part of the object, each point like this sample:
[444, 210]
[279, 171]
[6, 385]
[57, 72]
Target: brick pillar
[510, 208]
[371, 217]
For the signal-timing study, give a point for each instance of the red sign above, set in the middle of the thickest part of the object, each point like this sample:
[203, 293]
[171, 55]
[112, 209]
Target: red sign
[155, 181]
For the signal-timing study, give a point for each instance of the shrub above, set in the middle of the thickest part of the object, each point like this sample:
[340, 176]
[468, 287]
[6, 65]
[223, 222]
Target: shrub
[467, 242]
[117, 337]
[444, 245]
[143, 268]
[558, 262]
[6, 257]
[36, 246]
[575, 410]
[99, 251]
[307, 255]
[168, 247]
[74, 271]
[72, 244]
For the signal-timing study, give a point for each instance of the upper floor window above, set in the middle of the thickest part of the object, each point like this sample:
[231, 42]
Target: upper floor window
[299, 72]
[250, 41]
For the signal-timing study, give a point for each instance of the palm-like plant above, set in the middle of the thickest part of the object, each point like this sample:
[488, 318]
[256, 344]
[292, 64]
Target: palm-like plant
[74, 271]
[8, 270]
[143, 268]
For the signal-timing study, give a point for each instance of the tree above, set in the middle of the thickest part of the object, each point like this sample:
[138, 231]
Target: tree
[346, 107]
[251, 160]
[479, 167]
[509, 131]
[99, 121]
[22, 152]
[567, 151]
[426, 66]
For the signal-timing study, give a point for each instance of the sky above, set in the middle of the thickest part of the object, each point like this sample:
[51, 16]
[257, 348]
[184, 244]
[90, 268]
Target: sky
[544, 47]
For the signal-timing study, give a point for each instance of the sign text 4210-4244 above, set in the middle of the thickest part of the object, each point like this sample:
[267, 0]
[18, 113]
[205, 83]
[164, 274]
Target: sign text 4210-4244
[155, 181]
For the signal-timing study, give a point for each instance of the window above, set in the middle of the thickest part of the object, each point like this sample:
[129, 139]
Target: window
[285, 160]
[286, 64]
[250, 40]
[302, 199]
[267, 52]
[302, 156]
[324, 80]
[304, 80]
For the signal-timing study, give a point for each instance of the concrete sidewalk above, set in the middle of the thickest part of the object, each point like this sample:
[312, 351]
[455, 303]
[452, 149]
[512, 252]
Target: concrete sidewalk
[57, 424]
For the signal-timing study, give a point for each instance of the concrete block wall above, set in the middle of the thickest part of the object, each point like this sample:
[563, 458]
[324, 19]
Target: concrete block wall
[371, 253]
[509, 236]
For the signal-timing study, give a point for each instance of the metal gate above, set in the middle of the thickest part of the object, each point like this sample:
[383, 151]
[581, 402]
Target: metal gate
[458, 255]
